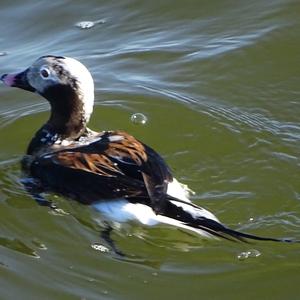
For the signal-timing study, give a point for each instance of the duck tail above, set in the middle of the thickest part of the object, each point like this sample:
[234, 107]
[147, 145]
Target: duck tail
[194, 218]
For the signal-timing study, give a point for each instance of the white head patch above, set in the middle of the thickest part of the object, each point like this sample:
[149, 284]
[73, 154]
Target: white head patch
[85, 83]
[50, 70]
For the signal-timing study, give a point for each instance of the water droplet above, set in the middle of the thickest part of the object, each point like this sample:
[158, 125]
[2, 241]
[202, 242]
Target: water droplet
[58, 212]
[39, 244]
[89, 24]
[252, 253]
[139, 119]
[99, 247]
[243, 256]
[85, 24]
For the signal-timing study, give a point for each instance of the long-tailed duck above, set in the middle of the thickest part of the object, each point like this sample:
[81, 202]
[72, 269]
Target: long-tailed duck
[110, 170]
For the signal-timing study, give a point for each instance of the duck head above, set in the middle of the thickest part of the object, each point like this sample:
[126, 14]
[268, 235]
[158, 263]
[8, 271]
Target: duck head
[66, 84]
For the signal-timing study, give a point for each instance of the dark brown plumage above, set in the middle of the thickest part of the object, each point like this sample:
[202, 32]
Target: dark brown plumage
[115, 163]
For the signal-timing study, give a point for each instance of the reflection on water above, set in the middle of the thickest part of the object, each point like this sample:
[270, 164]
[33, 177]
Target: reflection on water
[216, 86]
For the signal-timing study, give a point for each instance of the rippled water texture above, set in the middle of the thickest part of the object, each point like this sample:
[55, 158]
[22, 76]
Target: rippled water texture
[218, 85]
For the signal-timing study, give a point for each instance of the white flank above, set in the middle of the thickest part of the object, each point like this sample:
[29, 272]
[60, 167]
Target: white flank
[123, 211]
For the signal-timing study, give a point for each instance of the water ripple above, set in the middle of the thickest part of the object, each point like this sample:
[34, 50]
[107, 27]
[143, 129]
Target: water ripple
[11, 115]
[237, 116]
[19, 246]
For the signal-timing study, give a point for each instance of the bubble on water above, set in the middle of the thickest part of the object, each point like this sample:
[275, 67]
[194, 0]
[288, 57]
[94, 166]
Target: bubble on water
[242, 256]
[252, 253]
[39, 244]
[89, 24]
[138, 119]
[99, 247]
[85, 24]
[3, 53]
[58, 212]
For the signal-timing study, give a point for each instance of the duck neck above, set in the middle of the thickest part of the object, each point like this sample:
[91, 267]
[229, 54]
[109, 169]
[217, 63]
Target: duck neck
[68, 112]
[67, 121]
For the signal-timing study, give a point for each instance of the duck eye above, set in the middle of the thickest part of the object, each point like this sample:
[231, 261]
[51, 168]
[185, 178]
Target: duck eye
[45, 73]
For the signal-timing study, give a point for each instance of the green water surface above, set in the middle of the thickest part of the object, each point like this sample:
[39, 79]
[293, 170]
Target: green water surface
[219, 83]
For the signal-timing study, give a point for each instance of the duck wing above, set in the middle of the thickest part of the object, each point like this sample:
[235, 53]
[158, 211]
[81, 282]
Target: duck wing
[114, 165]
